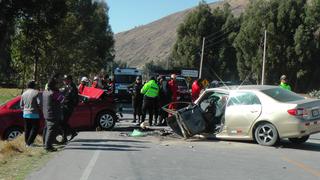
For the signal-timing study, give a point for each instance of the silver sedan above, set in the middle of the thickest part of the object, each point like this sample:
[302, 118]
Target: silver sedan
[261, 113]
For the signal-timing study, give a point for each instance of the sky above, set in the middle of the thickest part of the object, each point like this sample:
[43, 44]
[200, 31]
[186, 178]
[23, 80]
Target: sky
[127, 14]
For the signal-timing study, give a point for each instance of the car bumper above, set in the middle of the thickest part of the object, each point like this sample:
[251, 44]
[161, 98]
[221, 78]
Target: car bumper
[300, 128]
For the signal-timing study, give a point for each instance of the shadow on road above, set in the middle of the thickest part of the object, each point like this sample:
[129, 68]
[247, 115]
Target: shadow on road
[105, 145]
[100, 148]
[307, 146]
[284, 144]
[101, 144]
[108, 140]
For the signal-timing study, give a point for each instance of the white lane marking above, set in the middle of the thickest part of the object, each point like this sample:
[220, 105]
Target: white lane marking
[87, 171]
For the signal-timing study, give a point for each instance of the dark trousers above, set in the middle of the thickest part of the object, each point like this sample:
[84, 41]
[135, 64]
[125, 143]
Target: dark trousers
[66, 129]
[163, 117]
[49, 132]
[31, 127]
[156, 110]
[149, 104]
[137, 107]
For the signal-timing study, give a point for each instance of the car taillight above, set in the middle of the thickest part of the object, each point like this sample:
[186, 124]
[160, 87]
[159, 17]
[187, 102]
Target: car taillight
[296, 112]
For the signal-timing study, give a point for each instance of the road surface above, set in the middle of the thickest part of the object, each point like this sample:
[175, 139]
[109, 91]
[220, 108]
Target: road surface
[113, 155]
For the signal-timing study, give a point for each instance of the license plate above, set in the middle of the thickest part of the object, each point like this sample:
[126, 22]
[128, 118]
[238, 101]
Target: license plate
[315, 112]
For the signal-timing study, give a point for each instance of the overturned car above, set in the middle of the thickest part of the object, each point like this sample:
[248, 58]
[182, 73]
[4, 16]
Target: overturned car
[262, 113]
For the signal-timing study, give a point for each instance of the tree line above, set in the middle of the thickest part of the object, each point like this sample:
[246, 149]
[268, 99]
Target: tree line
[234, 44]
[39, 38]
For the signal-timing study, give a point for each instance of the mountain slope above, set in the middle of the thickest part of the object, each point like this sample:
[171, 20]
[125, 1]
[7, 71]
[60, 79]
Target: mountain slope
[155, 40]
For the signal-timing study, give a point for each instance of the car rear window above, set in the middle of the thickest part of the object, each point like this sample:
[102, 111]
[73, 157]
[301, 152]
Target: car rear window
[282, 95]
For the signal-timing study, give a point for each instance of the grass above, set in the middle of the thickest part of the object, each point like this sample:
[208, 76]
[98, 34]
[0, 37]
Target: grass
[7, 94]
[17, 161]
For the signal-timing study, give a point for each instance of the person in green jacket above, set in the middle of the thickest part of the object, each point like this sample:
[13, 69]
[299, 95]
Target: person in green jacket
[284, 83]
[150, 91]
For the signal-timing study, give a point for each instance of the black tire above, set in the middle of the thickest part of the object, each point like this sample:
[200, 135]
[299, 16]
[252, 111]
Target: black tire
[266, 134]
[106, 120]
[301, 140]
[13, 133]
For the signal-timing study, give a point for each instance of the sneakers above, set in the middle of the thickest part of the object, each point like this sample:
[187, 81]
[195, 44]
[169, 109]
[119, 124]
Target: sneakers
[73, 135]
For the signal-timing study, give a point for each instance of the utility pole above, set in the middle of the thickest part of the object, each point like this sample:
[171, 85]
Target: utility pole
[264, 57]
[202, 53]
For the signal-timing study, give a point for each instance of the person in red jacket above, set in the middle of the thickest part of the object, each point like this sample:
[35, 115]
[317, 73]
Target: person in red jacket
[196, 89]
[174, 90]
[95, 83]
[83, 84]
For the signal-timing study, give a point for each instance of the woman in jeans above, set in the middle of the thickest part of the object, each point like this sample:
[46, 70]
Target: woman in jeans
[30, 103]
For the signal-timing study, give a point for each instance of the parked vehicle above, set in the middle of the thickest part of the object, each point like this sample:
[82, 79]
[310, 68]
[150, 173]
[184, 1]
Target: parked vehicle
[253, 112]
[123, 77]
[215, 84]
[89, 114]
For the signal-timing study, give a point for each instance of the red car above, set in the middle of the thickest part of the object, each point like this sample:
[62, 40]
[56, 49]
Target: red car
[90, 113]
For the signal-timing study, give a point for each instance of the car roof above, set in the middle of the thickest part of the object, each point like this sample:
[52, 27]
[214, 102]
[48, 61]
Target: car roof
[244, 87]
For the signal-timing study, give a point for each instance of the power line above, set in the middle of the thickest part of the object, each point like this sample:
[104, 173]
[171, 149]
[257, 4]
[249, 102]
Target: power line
[210, 35]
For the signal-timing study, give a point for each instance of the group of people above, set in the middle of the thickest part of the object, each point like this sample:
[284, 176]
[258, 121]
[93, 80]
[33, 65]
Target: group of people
[151, 96]
[56, 104]
[101, 82]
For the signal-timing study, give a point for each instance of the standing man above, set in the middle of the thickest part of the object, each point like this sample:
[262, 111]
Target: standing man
[164, 99]
[30, 103]
[151, 93]
[51, 100]
[196, 89]
[71, 100]
[284, 83]
[137, 99]
[84, 83]
[95, 83]
[174, 90]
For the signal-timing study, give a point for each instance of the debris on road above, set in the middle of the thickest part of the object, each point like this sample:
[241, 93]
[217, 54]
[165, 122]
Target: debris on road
[137, 133]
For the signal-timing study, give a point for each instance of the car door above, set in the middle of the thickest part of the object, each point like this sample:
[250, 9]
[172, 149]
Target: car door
[242, 110]
[16, 113]
[219, 99]
[81, 116]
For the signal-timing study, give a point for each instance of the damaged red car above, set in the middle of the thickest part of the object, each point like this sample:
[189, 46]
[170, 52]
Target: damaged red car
[95, 109]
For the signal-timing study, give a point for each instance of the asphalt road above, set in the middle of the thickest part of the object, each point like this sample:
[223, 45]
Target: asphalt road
[113, 155]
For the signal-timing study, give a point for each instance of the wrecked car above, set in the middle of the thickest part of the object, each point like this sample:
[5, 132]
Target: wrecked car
[93, 111]
[261, 113]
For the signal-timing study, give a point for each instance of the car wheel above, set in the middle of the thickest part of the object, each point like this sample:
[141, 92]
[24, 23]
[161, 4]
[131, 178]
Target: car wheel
[299, 140]
[106, 120]
[266, 134]
[13, 133]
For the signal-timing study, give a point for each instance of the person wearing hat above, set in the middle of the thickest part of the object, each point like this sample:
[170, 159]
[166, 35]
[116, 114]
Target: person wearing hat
[84, 82]
[30, 104]
[150, 90]
[71, 100]
[284, 83]
[95, 83]
[137, 99]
